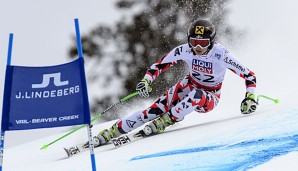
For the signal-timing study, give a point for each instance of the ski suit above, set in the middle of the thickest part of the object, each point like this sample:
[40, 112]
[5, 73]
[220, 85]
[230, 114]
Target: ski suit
[199, 90]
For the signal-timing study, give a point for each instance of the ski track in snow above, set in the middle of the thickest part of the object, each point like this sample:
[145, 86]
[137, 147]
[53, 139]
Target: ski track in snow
[233, 142]
[244, 155]
[239, 156]
[220, 140]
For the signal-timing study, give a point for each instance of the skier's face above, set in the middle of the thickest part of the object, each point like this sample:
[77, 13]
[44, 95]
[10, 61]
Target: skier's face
[199, 51]
[199, 42]
[199, 45]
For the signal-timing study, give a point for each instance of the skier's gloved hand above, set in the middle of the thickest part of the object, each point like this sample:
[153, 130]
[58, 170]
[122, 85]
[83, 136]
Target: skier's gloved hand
[144, 88]
[249, 104]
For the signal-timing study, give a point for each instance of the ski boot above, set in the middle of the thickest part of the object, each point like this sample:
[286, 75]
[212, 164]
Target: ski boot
[104, 137]
[157, 126]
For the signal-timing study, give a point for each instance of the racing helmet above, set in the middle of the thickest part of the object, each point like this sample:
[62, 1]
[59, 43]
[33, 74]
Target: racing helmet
[201, 34]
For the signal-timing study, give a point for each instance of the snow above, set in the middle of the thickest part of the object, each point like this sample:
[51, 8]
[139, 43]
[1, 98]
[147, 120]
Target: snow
[220, 140]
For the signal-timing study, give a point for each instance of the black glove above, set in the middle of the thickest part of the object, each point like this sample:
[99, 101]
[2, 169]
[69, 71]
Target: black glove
[144, 88]
[249, 104]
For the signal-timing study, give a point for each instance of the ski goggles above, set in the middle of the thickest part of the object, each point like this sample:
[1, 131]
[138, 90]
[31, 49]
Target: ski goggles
[202, 43]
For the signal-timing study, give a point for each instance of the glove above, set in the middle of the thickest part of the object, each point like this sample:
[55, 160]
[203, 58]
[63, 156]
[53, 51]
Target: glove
[143, 88]
[249, 104]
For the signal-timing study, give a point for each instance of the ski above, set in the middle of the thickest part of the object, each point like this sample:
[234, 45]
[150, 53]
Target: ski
[74, 150]
[117, 142]
[132, 137]
[128, 138]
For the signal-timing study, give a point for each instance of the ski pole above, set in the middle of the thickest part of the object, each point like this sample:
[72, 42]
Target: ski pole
[92, 120]
[276, 101]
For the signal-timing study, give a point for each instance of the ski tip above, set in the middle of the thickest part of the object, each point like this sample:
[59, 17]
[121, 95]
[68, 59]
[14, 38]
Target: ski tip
[67, 152]
[44, 147]
[72, 151]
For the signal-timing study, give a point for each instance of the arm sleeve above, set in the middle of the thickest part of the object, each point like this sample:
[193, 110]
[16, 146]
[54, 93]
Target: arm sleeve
[238, 68]
[163, 64]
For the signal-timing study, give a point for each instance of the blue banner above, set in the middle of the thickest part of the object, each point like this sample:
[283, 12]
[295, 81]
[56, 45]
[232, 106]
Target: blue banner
[43, 97]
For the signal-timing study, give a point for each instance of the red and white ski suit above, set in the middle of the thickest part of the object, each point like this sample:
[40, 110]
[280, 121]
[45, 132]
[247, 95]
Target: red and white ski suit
[199, 90]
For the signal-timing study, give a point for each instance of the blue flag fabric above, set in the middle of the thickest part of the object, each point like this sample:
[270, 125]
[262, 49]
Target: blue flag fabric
[44, 97]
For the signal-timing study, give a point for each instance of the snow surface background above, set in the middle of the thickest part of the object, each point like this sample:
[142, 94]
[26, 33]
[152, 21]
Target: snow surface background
[220, 140]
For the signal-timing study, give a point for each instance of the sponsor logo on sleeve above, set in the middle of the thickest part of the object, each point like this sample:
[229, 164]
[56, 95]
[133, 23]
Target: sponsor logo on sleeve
[233, 63]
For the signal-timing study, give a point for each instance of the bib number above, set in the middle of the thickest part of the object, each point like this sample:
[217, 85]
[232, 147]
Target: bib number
[203, 77]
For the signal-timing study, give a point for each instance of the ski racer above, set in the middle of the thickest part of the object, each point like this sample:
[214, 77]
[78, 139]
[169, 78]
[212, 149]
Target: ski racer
[199, 90]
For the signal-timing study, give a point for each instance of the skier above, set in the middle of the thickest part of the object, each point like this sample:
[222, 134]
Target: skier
[199, 91]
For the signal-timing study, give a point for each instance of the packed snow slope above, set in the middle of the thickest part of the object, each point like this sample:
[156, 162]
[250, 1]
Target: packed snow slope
[221, 140]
